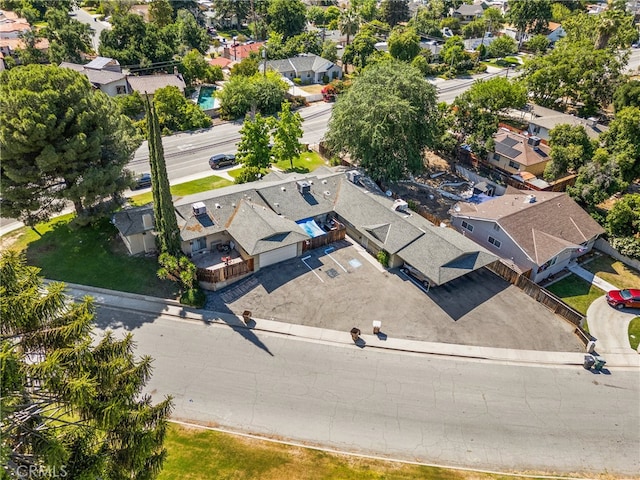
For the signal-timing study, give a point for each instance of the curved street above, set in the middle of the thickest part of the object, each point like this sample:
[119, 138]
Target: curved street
[503, 416]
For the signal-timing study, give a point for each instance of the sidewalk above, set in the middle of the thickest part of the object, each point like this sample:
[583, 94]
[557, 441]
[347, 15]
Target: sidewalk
[172, 308]
[591, 278]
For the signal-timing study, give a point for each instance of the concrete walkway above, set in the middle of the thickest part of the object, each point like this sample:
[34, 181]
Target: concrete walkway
[166, 307]
[591, 278]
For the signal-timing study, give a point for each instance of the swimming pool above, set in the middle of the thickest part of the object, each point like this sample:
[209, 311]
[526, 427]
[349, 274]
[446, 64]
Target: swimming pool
[206, 98]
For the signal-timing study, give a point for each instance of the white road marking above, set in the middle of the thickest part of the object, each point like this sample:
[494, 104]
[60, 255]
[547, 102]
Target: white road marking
[328, 253]
[314, 272]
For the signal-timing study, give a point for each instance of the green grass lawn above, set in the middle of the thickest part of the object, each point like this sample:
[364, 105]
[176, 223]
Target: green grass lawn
[634, 333]
[92, 255]
[575, 292]
[306, 162]
[206, 454]
[613, 271]
[184, 189]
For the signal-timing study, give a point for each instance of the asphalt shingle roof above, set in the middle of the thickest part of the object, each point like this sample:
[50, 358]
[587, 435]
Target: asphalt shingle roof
[129, 221]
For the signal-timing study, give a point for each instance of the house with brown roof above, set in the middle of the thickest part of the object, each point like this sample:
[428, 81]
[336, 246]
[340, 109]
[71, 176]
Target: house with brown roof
[12, 28]
[538, 233]
[515, 153]
[237, 52]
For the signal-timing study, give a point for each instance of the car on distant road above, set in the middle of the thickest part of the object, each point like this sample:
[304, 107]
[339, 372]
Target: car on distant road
[143, 181]
[222, 160]
[629, 298]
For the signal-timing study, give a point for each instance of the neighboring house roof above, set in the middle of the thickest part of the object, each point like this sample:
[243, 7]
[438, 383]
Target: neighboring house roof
[13, 44]
[104, 63]
[150, 83]
[301, 63]
[542, 227]
[96, 77]
[14, 27]
[547, 118]
[240, 52]
[220, 61]
[552, 27]
[475, 9]
[516, 147]
[259, 229]
[129, 221]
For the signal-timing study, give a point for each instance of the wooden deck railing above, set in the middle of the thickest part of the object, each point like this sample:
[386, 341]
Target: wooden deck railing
[330, 237]
[225, 272]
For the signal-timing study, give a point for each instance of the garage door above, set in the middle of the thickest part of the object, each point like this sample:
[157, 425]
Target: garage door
[278, 255]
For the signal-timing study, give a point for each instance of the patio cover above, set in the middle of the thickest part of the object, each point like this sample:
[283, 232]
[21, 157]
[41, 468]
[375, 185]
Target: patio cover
[310, 226]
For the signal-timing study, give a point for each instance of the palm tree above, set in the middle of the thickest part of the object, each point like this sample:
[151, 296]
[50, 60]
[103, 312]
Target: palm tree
[349, 23]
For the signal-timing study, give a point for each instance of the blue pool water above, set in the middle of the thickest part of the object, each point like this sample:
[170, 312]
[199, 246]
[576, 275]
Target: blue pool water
[206, 98]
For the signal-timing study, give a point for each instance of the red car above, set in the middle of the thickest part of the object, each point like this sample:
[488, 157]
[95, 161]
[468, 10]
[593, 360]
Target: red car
[624, 298]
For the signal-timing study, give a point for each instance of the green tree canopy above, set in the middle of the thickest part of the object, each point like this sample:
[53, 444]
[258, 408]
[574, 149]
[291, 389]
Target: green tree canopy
[394, 11]
[623, 220]
[627, 95]
[68, 38]
[176, 113]
[611, 29]
[190, 34]
[494, 19]
[60, 141]
[497, 95]
[571, 148]
[404, 43]
[622, 141]
[70, 403]
[286, 17]
[329, 51]
[288, 131]
[358, 51]
[349, 23]
[253, 148]
[502, 46]
[161, 13]
[264, 92]
[385, 120]
[195, 68]
[538, 44]
[530, 16]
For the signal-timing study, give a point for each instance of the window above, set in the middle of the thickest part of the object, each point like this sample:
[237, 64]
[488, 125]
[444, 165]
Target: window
[467, 226]
[494, 242]
[513, 164]
[496, 227]
[495, 157]
[121, 90]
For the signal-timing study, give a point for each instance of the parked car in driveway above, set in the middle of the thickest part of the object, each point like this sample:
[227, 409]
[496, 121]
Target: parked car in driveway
[142, 181]
[416, 274]
[222, 160]
[627, 298]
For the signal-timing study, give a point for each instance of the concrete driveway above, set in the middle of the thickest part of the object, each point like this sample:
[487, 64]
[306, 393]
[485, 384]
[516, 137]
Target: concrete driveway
[348, 288]
[610, 326]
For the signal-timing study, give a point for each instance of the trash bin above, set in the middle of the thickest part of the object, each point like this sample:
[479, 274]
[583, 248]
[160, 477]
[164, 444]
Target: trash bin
[376, 326]
[589, 361]
[246, 316]
[355, 333]
[599, 363]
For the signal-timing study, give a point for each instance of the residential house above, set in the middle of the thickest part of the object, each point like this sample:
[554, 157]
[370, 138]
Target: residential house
[224, 63]
[542, 120]
[468, 13]
[554, 32]
[238, 52]
[538, 233]
[262, 223]
[515, 153]
[309, 68]
[148, 84]
[12, 28]
[136, 229]
[104, 74]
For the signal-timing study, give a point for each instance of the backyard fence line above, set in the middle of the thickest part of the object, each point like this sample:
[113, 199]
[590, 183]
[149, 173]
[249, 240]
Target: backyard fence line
[226, 272]
[605, 247]
[542, 296]
[326, 239]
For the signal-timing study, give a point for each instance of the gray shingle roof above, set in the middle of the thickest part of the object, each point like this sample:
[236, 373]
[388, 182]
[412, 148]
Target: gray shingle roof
[543, 228]
[301, 63]
[129, 221]
[150, 83]
[285, 199]
[96, 77]
[258, 229]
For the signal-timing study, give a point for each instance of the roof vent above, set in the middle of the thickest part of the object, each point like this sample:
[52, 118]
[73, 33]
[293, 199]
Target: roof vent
[324, 182]
[327, 193]
[233, 205]
[592, 122]
[218, 205]
[310, 182]
[199, 208]
[399, 205]
[533, 141]
[276, 204]
[530, 199]
[353, 176]
[303, 187]
[283, 188]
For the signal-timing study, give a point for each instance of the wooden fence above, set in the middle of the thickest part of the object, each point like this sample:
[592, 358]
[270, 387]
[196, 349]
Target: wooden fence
[542, 296]
[226, 272]
[330, 237]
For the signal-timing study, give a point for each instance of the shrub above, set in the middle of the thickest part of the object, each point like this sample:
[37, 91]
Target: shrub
[193, 297]
[297, 81]
[627, 246]
[335, 161]
[413, 205]
[248, 174]
[383, 258]
[325, 78]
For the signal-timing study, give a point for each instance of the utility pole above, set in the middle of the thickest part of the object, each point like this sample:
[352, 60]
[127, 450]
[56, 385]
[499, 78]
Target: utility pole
[264, 60]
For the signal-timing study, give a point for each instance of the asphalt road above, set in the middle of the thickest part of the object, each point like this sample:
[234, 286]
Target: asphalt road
[399, 405]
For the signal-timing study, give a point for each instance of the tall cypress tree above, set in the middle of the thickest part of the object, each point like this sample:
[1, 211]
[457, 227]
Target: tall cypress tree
[165, 217]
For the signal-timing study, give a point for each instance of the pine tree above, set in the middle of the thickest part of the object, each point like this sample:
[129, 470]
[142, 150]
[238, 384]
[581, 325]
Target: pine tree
[68, 407]
[164, 214]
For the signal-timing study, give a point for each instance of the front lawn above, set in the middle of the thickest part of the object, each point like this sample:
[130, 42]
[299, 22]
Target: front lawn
[306, 162]
[575, 292]
[92, 256]
[613, 271]
[184, 189]
[634, 333]
[207, 454]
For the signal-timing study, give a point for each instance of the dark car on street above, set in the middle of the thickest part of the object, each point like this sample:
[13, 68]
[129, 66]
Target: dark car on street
[629, 298]
[142, 181]
[222, 160]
